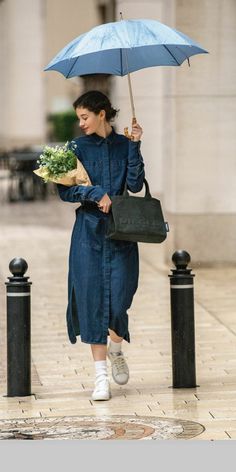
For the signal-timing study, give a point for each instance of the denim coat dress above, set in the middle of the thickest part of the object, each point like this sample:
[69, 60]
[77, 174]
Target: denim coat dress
[103, 273]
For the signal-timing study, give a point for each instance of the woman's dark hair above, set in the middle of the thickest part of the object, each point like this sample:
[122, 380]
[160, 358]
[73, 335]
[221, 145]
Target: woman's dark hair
[96, 101]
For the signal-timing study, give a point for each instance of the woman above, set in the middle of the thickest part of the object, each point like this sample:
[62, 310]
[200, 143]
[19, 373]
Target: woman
[103, 273]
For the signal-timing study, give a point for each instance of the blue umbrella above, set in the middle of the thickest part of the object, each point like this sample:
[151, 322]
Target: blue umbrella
[122, 47]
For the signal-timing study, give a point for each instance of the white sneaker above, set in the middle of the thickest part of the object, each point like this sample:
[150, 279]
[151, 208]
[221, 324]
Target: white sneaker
[102, 389]
[120, 369]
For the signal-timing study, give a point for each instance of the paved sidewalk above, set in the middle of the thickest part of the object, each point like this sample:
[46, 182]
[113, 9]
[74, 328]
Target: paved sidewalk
[63, 373]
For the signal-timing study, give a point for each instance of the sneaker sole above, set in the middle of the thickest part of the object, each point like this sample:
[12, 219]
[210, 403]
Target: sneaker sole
[101, 399]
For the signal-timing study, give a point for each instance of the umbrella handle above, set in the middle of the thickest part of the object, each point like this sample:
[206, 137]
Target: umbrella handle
[126, 130]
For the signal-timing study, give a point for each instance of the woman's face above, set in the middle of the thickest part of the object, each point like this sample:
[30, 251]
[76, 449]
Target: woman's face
[89, 122]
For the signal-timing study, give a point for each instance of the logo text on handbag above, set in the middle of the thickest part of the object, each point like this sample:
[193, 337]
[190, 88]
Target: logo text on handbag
[139, 222]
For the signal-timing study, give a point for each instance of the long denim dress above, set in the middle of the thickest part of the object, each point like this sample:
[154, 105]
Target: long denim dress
[103, 273]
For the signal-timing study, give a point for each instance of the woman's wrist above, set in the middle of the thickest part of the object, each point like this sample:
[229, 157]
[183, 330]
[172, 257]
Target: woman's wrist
[135, 143]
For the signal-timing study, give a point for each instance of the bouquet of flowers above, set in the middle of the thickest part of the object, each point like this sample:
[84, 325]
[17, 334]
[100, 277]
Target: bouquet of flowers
[60, 165]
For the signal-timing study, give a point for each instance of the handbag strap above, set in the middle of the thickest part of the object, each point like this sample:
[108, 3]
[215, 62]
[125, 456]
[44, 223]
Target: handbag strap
[147, 192]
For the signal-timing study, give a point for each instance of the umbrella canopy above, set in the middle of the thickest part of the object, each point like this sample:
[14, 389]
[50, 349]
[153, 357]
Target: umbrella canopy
[122, 47]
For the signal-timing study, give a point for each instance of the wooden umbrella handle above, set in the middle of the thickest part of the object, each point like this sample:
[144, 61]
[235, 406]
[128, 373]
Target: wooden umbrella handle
[126, 129]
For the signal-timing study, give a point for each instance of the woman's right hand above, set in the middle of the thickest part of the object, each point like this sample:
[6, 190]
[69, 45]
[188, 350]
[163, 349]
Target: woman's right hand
[105, 204]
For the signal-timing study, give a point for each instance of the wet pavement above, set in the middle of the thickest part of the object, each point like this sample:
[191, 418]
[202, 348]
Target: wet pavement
[63, 374]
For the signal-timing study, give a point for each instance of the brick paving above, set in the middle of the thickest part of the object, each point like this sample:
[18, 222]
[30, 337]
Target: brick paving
[62, 374]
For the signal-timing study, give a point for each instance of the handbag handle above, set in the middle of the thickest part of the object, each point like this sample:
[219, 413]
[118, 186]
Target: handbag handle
[147, 192]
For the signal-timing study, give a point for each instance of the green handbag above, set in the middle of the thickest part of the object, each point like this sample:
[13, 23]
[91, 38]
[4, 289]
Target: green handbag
[138, 219]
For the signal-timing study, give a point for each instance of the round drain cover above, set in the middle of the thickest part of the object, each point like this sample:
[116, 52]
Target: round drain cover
[87, 427]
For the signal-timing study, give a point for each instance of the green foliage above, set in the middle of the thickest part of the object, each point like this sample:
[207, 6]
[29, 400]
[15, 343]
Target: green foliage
[63, 125]
[57, 161]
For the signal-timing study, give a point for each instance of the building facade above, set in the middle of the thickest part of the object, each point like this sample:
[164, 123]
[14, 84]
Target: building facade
[188, 113]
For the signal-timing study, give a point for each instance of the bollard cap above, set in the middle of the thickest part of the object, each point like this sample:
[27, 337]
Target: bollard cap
[181, 259]
[18, 267]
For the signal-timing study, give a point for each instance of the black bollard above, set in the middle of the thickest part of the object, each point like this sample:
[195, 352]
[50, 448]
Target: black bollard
[18, 330]
[182, 322]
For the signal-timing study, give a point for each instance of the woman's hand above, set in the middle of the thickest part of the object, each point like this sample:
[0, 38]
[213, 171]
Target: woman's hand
[136, 132]
[105, 204]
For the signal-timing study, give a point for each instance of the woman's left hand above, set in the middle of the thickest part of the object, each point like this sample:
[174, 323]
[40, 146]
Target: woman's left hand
[136, 131]
[105, 204]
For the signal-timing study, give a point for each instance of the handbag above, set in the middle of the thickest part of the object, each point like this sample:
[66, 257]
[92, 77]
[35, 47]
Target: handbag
[138, 219]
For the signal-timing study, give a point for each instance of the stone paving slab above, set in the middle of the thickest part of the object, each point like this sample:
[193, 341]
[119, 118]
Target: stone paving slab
[63, 374]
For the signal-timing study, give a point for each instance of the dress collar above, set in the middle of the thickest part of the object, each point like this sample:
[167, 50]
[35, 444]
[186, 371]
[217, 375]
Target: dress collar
[109, 139]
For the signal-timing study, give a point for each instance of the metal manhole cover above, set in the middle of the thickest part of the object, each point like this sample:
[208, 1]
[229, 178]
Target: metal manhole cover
[87, 427]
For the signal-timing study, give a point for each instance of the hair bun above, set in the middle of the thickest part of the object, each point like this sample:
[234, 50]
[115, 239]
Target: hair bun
[95, 101]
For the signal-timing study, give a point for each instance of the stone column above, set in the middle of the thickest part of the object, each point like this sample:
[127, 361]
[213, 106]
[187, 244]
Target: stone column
[199, 135]
[147, 91]
[22, 97]
[70, 20]
[3, 81]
